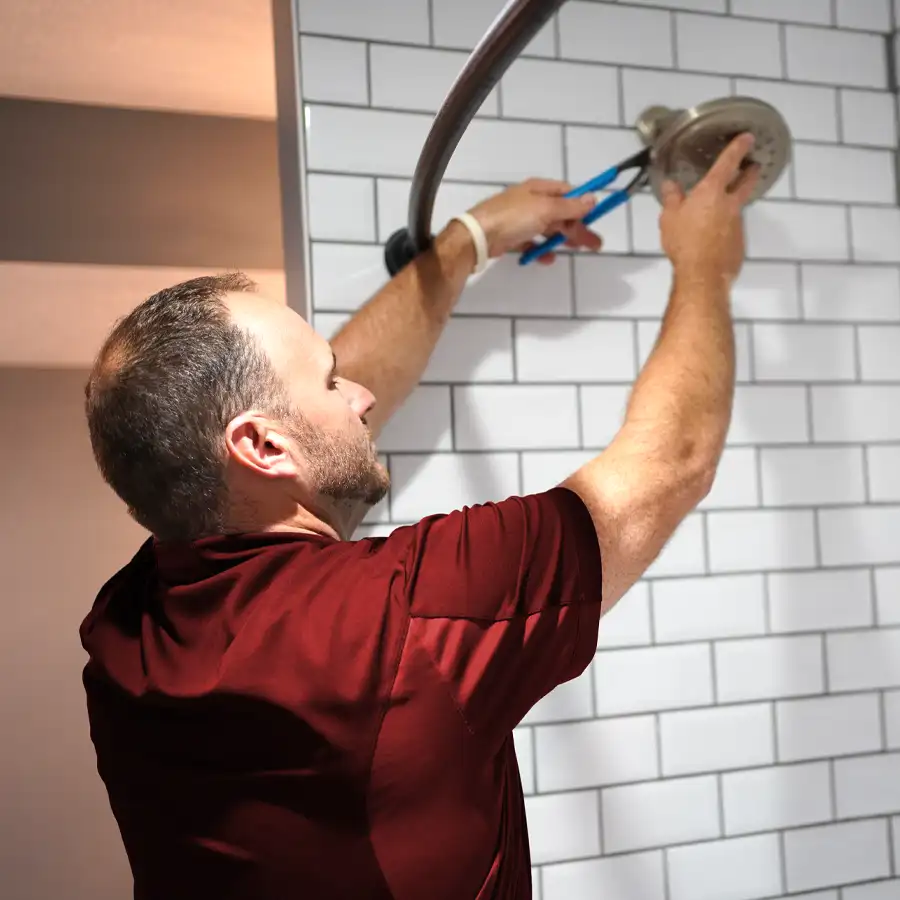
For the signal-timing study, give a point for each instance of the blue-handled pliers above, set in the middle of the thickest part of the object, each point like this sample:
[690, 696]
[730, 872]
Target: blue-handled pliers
[640, 160]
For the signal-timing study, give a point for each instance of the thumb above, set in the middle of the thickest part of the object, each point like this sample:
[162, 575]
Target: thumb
[566, 209]
[672, 194]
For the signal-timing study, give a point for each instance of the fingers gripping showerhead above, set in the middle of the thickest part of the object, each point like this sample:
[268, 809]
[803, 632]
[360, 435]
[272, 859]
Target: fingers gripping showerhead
[685, 143]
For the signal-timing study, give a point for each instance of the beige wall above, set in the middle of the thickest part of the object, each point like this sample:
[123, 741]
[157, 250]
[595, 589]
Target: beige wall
[63, 533]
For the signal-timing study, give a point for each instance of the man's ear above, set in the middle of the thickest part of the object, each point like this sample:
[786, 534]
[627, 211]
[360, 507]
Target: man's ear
[257, 443]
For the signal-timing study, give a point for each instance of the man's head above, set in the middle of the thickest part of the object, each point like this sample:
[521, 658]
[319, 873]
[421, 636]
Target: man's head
[212, 409]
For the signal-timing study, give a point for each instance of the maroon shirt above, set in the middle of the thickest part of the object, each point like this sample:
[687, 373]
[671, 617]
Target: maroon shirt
[285, 715]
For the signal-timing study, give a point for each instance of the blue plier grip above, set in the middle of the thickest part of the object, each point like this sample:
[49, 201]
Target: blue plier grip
[604, 179]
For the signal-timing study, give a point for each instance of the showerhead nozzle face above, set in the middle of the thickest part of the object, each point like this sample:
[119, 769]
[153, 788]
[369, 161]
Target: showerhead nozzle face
[686, 143]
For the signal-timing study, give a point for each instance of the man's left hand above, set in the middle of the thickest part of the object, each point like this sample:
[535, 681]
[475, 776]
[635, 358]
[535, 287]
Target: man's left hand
[512, 219]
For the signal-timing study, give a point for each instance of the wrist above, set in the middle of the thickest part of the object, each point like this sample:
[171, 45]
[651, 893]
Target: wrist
[455, 249]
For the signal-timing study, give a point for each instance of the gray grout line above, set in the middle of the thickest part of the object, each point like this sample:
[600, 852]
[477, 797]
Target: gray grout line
[782, 858]
[892, 852]
[832, 790]
[782, 47]
[720, 796]
[882, 716]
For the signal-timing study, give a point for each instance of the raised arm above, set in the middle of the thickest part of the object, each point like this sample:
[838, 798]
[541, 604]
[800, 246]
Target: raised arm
[663, 460]
[387, 344]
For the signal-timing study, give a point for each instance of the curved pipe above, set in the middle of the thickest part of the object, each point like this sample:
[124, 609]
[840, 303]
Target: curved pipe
[508, 36]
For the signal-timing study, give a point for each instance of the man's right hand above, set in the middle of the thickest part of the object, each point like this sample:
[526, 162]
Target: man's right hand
[703, 233]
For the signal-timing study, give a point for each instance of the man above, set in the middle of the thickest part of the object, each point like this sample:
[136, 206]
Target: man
[281, 712]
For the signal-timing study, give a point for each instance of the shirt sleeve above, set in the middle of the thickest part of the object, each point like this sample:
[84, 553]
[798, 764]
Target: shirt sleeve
[505, 599]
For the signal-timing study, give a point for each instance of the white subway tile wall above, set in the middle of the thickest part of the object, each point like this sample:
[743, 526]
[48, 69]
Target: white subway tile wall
[737, 735]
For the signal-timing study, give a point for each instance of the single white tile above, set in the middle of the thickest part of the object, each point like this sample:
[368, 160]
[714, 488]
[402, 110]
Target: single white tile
[796, 231]
[524, 743]
[821, 727]
[655, 814]
[341, 208]
[767, 291]
[853, 293]
[574, 350]
[810, 476]
[875, 233]
[819, 601]
[776, 797]
[884, 474]
[594, 754]
[627, 286]
[859, 535]
[815, 11]
[602, 412]
[507, 152]
[721, 44]
[869, 15]
[688, 609]
[868, 117]
[736, 869]
[832, 56]
[736, 483]
[827, 855]
[611, 34]
[398, 20]
[864, 660]
[366, 141]
[463, 23]
[795, 352]
[421, 424]
[844, 174]
[503, 417]
[472, 350]
[810, 111]
[507, 288]
[752, 540]
[656, 678]
[766, 414]
[561, 92]
[887, 592]
[867, 785]
[443, 482]
[715, 740]
[627, 624]
[563, 826]
[643, 88]
[854, 413]
[614, 878]
[418, 78]
[769, 668]
[568, 702]
[333, 71]
[879, 348]
[345, 276]
[452, 198]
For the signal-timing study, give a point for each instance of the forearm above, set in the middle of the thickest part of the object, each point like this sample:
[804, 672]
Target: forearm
[387, 344]
[683, 397]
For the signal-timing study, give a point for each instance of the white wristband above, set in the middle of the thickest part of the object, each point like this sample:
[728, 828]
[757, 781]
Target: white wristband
[479, 238]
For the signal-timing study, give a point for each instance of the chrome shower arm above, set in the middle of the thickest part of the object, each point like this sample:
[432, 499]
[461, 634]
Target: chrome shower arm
[511, 32]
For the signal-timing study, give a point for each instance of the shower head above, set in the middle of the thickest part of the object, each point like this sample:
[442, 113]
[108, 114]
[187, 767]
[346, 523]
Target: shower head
[684, 143]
